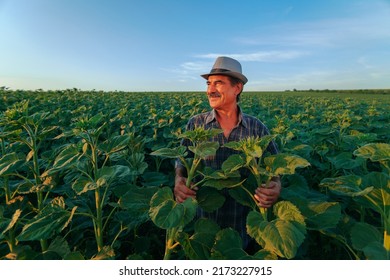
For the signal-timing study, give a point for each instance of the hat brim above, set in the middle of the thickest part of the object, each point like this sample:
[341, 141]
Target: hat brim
[239, 76]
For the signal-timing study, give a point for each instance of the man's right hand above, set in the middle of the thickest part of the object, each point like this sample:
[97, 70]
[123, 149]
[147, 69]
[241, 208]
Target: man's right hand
[181, 191]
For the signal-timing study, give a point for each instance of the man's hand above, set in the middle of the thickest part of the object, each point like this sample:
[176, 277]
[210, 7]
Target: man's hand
[268, 196]
[181, 191]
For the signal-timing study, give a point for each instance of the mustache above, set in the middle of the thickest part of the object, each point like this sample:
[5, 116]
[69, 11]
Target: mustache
[214, 94]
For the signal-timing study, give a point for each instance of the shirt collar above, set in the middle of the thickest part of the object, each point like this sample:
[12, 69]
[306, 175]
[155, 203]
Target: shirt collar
[241, 120]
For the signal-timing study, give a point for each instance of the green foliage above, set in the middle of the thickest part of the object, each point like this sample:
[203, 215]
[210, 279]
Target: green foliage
[281, 236]
[198, 246]
[49, 222]
[374, 151]
[372, 192]
[228, 246]
[78, 171]
[166, 213]
[284, 164]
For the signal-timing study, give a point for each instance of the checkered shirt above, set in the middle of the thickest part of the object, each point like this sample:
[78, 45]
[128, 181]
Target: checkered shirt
[231, 214]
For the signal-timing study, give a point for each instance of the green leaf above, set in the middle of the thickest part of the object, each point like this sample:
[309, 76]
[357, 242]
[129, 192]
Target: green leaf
[379, 198]
[136, 203]
[11, 222]
[284, 164]
[83, 185]
[362, 234]
[378, 180]
[367, 238]
[107, 253]
[322, 215]
[287, 211]
[162, 195]
[220, 179]
[210, 174]
[137, 198]
[205, 150]
[234, 145]
[171, 152]
[241, 196]
[46, 224]
[166, 213]
[350, 185]
[228, 246]
[198, 246]
[60, 246]
[299, 149]
[255, 224]
[115, 144]
[283, 235]
[137, 164]
[344, 161]
[66, 159]
[199, 134]
[37, 118]
[233, 163]
[220, 184]
[91, 123]
[155, 178]
[46, 130]
[251, 147]
[376, 251]
[209, 199]
[283, 238]
[10, 163]
[189, 207]
[113, 173]
[374, 152]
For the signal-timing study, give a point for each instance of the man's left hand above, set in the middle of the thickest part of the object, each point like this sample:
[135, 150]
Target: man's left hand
[268, 196]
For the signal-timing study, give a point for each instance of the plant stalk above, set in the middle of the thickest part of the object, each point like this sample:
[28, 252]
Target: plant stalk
[37, 177]
[98, 204]
[98, 222]
[170, 242]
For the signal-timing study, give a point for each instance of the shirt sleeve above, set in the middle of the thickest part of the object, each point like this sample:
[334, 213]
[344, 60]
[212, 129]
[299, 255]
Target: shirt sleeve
[272, 147]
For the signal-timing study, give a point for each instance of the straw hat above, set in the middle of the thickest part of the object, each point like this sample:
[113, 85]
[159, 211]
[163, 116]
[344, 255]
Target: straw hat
[227, 66]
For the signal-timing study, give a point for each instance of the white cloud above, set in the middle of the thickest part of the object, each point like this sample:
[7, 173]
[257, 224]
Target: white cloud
[191, 70]
[261, 56]
[195, 66]
[364, 61]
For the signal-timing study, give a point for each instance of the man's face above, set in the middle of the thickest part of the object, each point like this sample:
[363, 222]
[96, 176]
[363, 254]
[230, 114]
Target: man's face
[221, 93]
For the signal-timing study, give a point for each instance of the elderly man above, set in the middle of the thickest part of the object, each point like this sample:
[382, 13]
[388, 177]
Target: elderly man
[225, 83]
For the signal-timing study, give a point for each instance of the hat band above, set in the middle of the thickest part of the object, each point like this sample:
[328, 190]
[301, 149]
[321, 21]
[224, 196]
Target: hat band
[219, 70]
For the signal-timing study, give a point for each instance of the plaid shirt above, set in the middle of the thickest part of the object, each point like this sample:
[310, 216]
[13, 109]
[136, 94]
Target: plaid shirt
[231, 214]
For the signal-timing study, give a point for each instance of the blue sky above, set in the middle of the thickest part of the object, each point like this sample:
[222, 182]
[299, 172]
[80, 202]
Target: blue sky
[145, 45]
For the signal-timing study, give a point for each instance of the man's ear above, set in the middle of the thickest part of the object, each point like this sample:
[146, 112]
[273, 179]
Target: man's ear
[239, 88]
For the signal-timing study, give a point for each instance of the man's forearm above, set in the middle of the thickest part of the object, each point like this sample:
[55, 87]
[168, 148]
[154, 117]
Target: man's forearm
[180, 171]
[276, 179]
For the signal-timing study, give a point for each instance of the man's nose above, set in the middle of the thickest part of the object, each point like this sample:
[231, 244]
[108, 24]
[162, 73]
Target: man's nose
[210, 88]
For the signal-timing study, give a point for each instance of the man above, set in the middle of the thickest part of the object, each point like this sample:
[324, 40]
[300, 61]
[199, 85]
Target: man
[225, 83]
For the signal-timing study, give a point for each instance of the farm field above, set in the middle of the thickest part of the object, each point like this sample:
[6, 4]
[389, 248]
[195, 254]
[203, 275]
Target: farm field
[80, 177]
